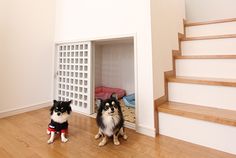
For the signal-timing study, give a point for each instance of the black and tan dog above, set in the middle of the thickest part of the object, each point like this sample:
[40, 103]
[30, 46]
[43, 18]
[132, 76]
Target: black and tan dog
[110, 121]
[60, 113]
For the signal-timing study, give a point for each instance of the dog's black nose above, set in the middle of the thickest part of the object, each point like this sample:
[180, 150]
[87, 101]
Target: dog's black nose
[58, 114]
[112, 109]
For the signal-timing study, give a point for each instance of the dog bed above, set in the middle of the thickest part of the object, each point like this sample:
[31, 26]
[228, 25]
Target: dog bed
[106, 92]
[128, 112]
[129, 100]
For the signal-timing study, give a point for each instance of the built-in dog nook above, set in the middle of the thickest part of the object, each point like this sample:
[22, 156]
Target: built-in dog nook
[114, 73]
[91, 70]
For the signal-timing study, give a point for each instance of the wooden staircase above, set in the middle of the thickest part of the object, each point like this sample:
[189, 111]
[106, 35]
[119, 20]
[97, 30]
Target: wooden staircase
[199, 105]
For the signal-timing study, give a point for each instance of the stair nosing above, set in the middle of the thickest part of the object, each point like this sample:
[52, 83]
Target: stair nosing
[208, 37]
[205, 56]
[199, 116]
[204, 81]
[189, 24]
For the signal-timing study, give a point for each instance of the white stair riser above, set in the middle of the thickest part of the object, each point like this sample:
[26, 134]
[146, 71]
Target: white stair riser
[213, 135]
[224, 46]
[205, 95]
[215, 68]
[211, 29]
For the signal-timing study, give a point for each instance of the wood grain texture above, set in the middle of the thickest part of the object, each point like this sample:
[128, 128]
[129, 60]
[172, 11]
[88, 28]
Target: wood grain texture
[205, 57]
[204, 81]
[187, 24]
[221, 116]
[160, 101]
[174, 53]
[167, 74]
[184, 24]
[24, 136]
[180, 37]
[208, 37]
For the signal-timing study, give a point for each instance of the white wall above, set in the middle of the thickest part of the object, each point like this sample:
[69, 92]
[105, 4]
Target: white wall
[116, 62]
[98, 65]
[167, 21]
[204, 10]
[89, 19]
[2, 61]
[26, 34]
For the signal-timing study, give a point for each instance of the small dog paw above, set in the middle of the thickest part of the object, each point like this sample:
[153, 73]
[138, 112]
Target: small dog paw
[50, 141]
[48, 132]
[125, 137]
[64, 140]
[101, 143]
[97, 136]
[116, 142]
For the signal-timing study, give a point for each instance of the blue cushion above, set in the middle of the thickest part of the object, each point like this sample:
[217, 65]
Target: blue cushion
[129, 100]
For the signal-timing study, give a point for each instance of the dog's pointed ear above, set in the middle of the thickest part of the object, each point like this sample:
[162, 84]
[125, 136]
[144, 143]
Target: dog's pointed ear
[70, 102]
[114, 95]
[99, 102]
[69, 109]
[53, 106]
[51, 109]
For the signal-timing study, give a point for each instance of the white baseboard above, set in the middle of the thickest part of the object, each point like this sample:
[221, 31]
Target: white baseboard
[126, 124]
[146, 130]
[139, 128]
[14, 111]
[129, 125]
[89, 115]
[23, 109]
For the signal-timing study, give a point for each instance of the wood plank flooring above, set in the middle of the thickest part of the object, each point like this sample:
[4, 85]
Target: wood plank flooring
[24, 136]
[216, 115]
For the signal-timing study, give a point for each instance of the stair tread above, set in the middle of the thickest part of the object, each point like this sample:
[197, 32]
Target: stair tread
[221, 116]
[209, 22]
[206, 81]
[208, 37]
[205, 57]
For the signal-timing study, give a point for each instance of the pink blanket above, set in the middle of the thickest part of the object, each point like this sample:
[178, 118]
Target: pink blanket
[105, 92]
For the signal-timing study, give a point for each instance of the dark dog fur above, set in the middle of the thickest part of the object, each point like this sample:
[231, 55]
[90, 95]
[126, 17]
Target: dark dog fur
[60, 112]
[110, 121]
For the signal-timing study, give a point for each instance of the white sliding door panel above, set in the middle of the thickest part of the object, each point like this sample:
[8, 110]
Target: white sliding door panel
[73, 80]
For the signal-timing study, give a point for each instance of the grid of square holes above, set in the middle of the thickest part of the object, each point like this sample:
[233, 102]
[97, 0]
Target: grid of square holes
[73, 74]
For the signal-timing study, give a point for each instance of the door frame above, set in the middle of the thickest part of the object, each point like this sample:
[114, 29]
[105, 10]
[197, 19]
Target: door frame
[134, 36]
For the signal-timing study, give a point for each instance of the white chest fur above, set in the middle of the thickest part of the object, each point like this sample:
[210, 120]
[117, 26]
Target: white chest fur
[110, 122]
[60, 119]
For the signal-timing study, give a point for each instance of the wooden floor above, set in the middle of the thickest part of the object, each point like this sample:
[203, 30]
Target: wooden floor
[24, 136]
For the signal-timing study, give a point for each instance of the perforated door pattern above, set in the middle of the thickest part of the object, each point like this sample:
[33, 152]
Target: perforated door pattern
[73, 75]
